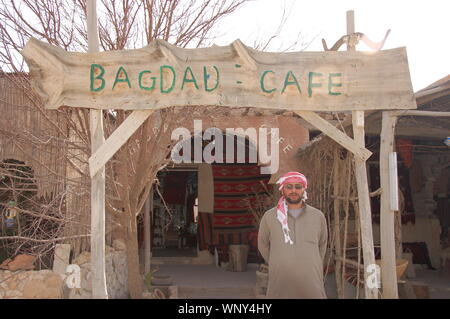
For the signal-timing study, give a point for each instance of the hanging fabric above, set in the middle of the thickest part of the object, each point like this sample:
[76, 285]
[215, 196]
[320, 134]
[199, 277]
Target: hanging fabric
[205, 188]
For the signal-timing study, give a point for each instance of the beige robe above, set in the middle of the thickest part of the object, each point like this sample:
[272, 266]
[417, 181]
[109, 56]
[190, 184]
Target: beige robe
[295, 271]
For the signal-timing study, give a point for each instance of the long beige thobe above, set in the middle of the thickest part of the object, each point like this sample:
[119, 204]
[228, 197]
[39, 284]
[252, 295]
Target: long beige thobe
[295, 271]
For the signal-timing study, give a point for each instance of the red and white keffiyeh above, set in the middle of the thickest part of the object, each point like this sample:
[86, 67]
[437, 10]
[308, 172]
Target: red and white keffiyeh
[282, 210]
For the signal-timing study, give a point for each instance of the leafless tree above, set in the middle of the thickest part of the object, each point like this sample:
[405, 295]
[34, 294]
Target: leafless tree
[124, 24]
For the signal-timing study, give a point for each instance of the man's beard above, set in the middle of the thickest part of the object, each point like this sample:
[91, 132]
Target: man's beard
[294, 201]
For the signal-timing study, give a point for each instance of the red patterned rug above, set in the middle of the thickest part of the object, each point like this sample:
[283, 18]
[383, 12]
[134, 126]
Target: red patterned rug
[234, 186]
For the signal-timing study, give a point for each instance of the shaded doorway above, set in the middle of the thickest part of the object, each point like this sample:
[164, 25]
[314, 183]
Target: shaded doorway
[188, 217]
[174, 222]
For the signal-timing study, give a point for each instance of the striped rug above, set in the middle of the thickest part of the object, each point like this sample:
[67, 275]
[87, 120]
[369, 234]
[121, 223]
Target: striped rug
[234, 185]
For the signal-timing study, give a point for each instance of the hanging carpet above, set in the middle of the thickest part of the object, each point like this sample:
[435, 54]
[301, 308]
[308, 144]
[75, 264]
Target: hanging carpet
[234, 186]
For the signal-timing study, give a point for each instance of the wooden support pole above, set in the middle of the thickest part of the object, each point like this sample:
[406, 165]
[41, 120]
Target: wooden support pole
[420, 113]
[350, 28]
[340, 137]
[387, 215]
[337, 233]
[116, 140]
[99, 290]
[351, 262]
[363, 188]
[364, 205]
[147, 231]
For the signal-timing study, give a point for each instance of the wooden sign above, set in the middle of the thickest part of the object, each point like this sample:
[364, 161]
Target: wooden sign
[161, 75]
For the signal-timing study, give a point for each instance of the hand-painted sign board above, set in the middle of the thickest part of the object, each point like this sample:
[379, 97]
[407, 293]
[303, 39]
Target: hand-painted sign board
[161, 75]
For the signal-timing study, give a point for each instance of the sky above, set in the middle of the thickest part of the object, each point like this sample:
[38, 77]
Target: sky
[423, 27]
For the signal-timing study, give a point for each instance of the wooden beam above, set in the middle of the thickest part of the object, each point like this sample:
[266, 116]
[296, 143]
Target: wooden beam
[420, 113]
[359, 151]
[351, 263]
[161, 75]
[337, 233]
[99, 290]
[365, 215]
[426, 96]
[147, 232]
[243, 53]
[116, 140]
[364, 204]
[387, 215]
[350, 29]
[173, 60]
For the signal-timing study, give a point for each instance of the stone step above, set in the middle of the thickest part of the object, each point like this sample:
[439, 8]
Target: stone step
[175, 261]
[180, 261]
[171, 260]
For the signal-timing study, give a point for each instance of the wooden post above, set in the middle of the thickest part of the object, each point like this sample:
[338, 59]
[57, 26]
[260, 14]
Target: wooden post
[387, 215]
[99, 290]
[147, 231]
[362, 186]
[337, 233]
[350, 28]
[364, 203]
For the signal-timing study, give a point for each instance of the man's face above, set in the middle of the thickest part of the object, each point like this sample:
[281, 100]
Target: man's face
[293, 192]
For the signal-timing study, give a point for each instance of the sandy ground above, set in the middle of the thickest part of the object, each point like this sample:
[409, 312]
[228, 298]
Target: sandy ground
[201, 281]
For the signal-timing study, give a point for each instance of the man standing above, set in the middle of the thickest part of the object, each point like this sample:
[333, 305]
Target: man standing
[292, 239]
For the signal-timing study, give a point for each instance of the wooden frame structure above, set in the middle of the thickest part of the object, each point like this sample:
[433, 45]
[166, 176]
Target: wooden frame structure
[98, 181]
[387, 209]
[161, 75]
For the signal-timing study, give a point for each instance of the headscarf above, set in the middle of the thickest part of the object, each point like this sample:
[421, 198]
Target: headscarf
[291, 177]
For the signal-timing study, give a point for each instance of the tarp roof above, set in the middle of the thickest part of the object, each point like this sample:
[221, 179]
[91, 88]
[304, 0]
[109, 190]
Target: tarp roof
[433, 91]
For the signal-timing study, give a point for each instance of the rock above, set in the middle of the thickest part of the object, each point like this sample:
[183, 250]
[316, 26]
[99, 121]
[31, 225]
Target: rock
[37, 289]
[147, 295]
[86, 283]
[173, 292]
[13, 294]
[109, 264]
[75, 294]
[155, 294]
[61, 258]
[4, 264]
[22, 275]
[12, 284]
[4, 288]
[54, 281]
[84, 257]
[158, 294]
[108, 249]
[119, 244]
[22, 262]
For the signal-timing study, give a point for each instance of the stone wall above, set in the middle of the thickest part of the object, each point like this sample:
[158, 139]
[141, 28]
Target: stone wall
[30, 284]
[116, 276]
[48, 284]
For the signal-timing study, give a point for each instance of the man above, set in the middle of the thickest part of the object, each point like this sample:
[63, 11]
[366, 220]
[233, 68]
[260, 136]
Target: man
[292, 239]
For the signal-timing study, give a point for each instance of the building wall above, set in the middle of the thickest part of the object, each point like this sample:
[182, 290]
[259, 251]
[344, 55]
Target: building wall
[27, 134]
[48, 284]
[291, 134]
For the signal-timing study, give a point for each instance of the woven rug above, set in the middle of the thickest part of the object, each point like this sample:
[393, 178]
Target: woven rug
[234, 186]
